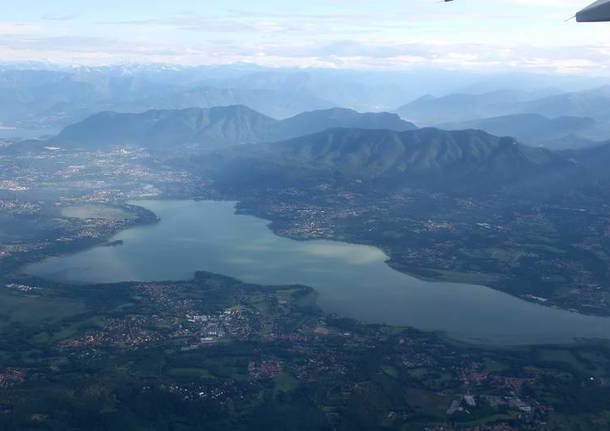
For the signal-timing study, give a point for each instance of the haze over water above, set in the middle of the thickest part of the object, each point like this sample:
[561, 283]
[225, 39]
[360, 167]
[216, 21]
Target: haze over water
[352, 280]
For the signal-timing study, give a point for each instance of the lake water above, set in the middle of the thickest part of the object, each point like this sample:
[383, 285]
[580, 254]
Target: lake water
[352, 280]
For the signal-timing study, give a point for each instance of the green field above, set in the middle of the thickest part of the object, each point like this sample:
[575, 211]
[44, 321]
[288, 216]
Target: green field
[36, 309]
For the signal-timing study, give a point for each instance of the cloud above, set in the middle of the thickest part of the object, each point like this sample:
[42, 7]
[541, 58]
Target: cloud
[18, 28]
[473, 35]
[587, 59]
[58, 17]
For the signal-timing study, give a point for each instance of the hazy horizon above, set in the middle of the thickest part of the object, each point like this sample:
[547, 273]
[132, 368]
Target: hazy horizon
[474, 36]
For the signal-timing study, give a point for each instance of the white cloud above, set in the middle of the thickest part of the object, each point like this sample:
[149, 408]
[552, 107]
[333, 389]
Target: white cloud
[17, 28]
[499, 35]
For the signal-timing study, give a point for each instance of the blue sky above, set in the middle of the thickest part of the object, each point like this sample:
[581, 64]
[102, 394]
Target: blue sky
[357, 34]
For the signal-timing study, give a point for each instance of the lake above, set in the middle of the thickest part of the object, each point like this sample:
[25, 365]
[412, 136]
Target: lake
[352, 280]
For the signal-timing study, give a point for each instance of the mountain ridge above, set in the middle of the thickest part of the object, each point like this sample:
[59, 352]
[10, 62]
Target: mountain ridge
[529, 128]
[428, 157]
[211, 127]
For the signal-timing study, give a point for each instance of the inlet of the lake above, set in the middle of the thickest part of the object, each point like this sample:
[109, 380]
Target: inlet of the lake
[352, 280]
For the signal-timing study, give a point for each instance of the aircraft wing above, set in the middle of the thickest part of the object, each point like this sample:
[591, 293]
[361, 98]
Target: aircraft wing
[596, 12]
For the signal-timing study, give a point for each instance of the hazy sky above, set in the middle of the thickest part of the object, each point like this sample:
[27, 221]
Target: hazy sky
[471, 34]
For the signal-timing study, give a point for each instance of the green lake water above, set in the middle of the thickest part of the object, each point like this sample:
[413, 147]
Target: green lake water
[352, 280]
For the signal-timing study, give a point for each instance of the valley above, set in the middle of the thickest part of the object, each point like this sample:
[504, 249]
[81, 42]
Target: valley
[305, 215]
[445, 207]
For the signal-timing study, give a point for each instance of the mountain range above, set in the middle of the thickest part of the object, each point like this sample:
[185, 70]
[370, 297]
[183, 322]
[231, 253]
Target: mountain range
[198, 128]
[534, 129]
[564, 120]
[49, 100]
[40, 99]
[422, 156]
[242, 147]
[459, 107]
